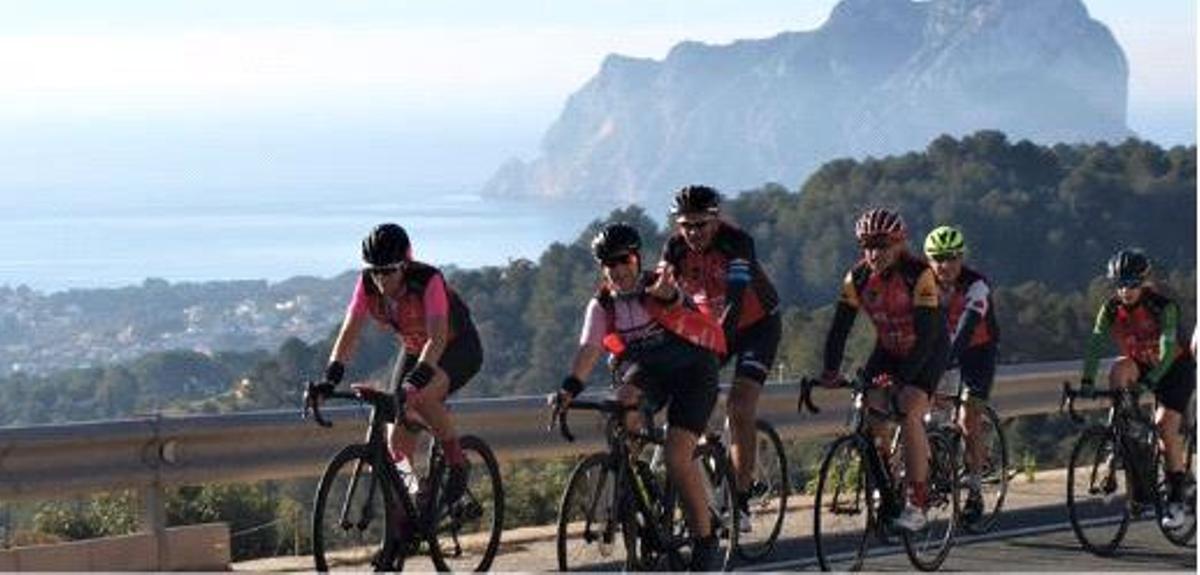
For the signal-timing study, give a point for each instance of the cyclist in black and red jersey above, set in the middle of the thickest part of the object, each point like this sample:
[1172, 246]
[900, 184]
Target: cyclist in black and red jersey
[714, 263]
[666, 353]
[898, 291]
[1144, 323]
[966, 297]
[440, 349]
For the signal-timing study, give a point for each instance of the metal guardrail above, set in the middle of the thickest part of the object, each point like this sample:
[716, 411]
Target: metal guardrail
[155, 452]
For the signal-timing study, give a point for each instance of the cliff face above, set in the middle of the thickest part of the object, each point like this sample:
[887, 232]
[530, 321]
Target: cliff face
[879, 77]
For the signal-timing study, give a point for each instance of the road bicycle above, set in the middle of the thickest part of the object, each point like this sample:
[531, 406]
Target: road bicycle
[1116, 475]
[369, 511]
[617, 513]
[860, 491]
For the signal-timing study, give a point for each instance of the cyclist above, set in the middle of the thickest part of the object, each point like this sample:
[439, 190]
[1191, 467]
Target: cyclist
[966, 297]
[665, 351]
[714, 263]
[1144, 323]
[899, 293]
[440, 349]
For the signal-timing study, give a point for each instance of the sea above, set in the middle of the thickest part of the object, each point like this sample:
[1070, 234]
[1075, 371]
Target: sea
[53, 245]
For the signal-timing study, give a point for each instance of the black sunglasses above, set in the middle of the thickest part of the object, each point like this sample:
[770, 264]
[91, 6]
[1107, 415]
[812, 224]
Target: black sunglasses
[943, 258]
[617, 261]
[1130, 283]
[380, 272]
[693, 225]
[875, 242]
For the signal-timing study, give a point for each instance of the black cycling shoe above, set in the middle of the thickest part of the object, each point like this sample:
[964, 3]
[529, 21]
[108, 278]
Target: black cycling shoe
[704, 555]
[456, 483]
[973, 508]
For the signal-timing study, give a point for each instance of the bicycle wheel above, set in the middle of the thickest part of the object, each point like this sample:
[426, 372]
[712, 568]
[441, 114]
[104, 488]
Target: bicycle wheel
[843, 508]
[928, 548]
[467, 531]
[589, 528]
[1184, 535]
[350, 523]
[720, 489]
[1097, 494]
[768, 496]
[993, 472]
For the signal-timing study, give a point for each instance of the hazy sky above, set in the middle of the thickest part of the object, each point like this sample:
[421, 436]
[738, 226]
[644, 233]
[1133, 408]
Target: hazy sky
[432, 93]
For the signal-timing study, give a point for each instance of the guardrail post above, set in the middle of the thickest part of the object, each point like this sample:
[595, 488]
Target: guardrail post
[154, 520]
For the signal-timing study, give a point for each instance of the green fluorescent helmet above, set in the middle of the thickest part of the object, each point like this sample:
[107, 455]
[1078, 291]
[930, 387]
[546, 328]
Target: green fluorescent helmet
[944, 241]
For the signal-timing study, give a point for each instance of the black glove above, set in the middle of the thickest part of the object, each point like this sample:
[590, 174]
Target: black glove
[334, 373]
[323, 389]
[572, 385]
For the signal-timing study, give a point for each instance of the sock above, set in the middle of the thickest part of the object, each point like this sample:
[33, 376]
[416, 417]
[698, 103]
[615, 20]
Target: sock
[919, 495]
[1175, 486]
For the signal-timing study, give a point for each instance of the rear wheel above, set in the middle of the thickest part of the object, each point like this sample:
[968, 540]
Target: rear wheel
[1185, 535]
[1098, 500]
[768, 496]
[843, 508]
[467, 532]
[350, 523]
[993, 472]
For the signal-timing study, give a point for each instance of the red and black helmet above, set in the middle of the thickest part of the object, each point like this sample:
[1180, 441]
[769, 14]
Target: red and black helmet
[877, 222]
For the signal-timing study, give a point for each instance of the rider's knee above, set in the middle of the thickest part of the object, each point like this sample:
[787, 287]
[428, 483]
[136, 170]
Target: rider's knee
[1123, 373]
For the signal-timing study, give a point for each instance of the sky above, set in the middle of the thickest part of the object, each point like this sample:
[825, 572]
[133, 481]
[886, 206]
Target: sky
[434, 95]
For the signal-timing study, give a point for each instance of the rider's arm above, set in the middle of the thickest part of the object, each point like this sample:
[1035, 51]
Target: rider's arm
[927, 321]
[437, 320]
[1095, 343]
[1169, 322]
[737, 278]
[839, 330]
[347, 338]
[976, 309]
[590, 348]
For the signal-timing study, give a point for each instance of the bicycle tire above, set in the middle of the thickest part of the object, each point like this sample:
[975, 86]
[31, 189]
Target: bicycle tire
[469, 517]
[772, 485]
[1086, 467]
[927, 549]
[589, 497]
[351, 471]
[994, 475]
[1181, 536]
[844, 464]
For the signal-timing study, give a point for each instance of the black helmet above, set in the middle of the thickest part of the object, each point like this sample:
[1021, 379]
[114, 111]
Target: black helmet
[1128, 267]
[696, 200]
[386, 244]
[616, 240]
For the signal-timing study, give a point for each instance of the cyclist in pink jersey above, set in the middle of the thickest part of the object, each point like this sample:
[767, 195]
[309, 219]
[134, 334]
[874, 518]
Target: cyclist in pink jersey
[440, 346]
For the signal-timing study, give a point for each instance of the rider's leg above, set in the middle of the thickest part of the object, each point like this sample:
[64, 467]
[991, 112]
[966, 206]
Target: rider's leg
[629, 394]
[1168, 422]
[742, 407]
[685, 475]
[1123, 374]
[914, 403]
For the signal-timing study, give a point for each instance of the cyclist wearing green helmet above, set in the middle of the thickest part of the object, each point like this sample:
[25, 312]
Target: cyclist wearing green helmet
[971, 321]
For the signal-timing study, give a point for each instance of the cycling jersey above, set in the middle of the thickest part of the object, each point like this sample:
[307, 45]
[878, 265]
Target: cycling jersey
[902, 302]
[724, 279]
[1146, 332]
[425, 295]
[637, 320]
[969, 293]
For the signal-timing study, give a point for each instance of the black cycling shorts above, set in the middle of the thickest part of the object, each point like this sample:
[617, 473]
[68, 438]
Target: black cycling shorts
[1174, 390]
[461, 361]
[928, 374]
[755, 349]
[678, 375]
[977, 366]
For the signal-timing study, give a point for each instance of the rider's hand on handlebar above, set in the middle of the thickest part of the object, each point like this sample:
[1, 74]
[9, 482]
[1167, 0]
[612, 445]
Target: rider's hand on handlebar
[1087, 388]
[830, 378]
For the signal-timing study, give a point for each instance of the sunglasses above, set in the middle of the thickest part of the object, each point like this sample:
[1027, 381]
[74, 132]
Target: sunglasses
[1132, 283]
[943, 258]
[380, 272]
[875, 242]
[694, 225]
[617, 261]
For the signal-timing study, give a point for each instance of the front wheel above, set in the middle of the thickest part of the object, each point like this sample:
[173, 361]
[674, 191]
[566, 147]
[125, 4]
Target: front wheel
[351, 526]
[590, 535]
[1097, 495]
[844, 506]
[466, 532]
[762, 518]
[992, 471]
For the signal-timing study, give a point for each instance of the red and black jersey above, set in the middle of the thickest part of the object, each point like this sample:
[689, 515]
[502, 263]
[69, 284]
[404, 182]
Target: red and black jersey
[970, 291]
[706, 276]
[406, 314]
[1137, 329]
[891, 298]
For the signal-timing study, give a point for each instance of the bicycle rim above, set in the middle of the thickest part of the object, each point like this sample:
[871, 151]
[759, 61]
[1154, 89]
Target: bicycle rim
[843, 507]
[927, 549]
[350, 524]
[1098, 500]
[768, 495]
[466, 533]
[589, 535]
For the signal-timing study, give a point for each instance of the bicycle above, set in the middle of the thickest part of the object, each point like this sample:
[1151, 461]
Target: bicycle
[1117, 465]
[365, 507]
[994, 471]
[859, 494]
[615, 493]
[768, 493]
